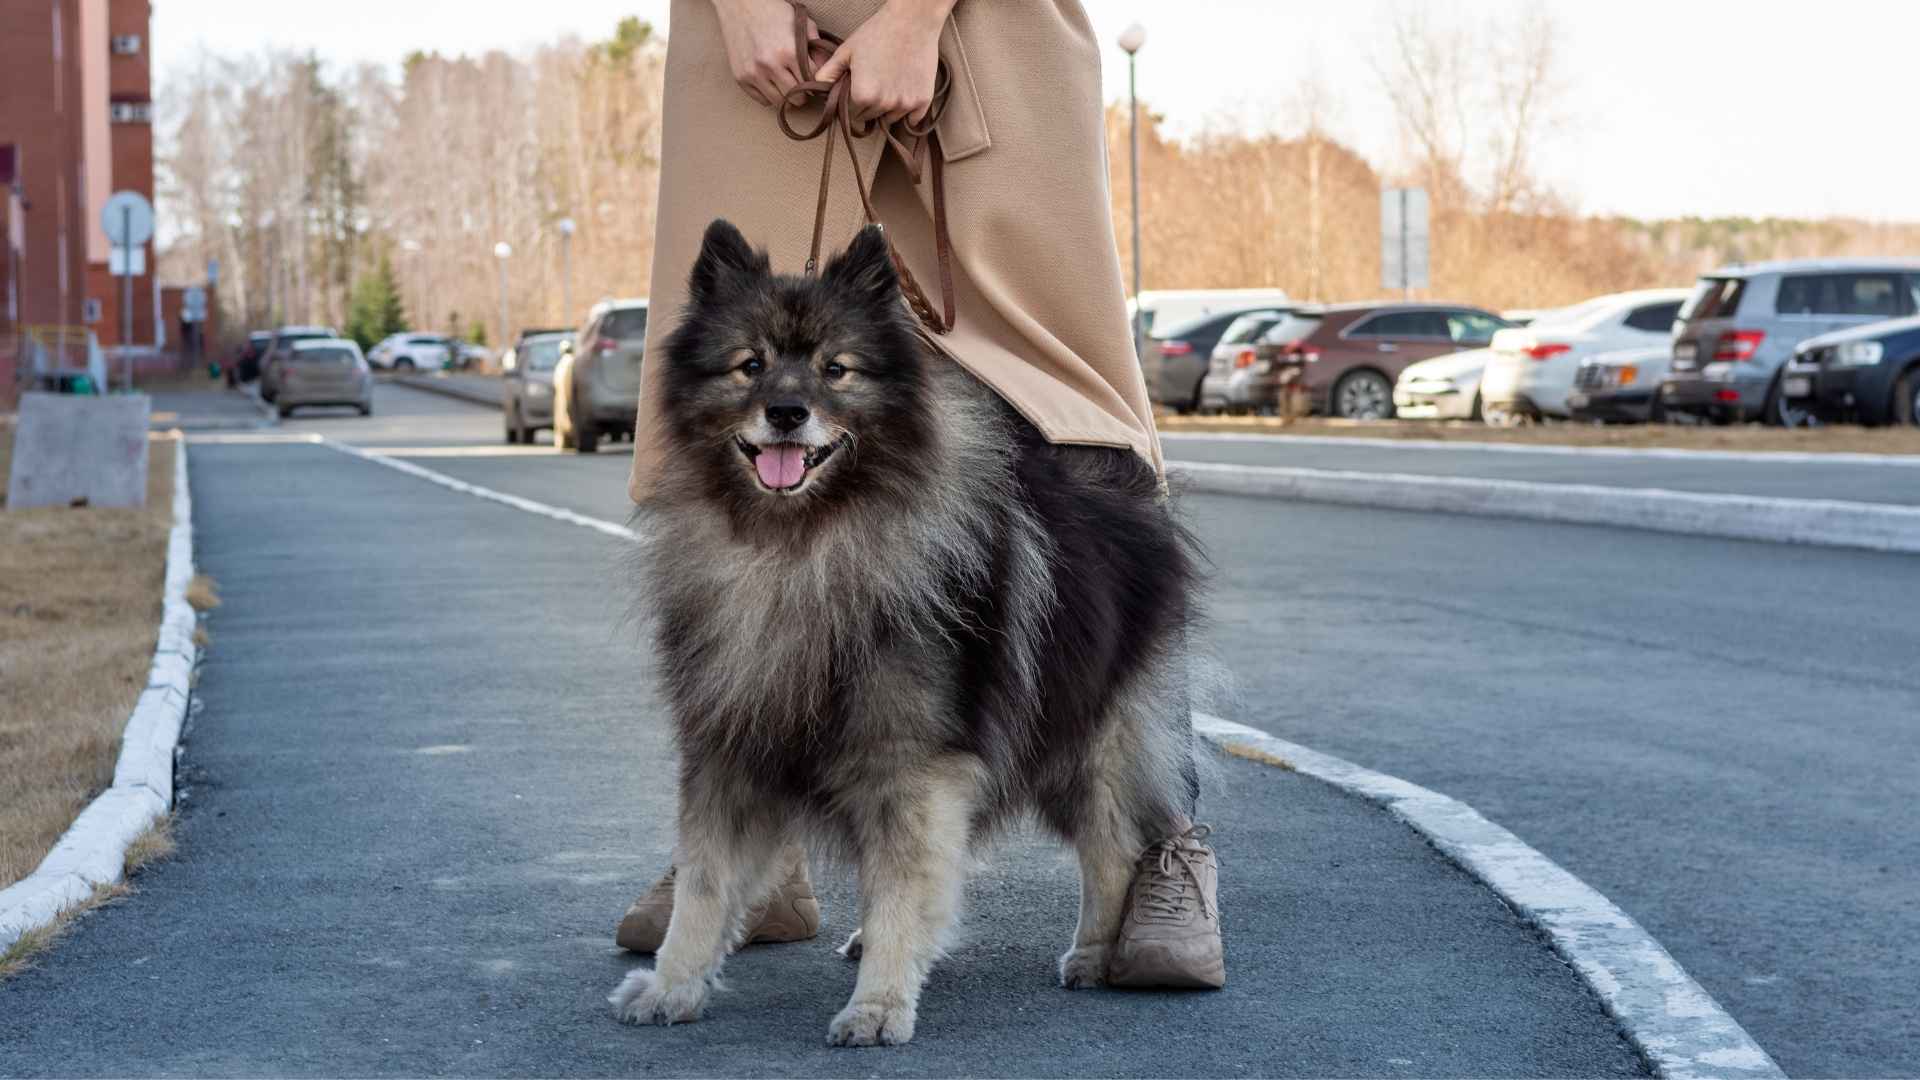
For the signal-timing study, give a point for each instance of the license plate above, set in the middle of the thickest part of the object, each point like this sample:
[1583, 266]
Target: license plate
[1577, 401]
[1797, 386]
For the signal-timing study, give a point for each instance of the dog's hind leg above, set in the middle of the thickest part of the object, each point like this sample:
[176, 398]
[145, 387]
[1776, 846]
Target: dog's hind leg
[913, 849]
[1137, 785]
[726, 861]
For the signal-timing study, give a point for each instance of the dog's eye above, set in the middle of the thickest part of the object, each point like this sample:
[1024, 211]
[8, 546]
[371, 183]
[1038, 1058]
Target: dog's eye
[836, 371]
[753, 365]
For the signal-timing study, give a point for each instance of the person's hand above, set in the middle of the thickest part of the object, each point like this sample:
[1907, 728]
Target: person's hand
[893, 58]
[759, 40]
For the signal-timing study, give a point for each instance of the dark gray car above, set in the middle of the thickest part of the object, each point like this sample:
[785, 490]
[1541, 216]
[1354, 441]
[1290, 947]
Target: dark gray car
[1742, 323]
[596, 387]
[527, 374]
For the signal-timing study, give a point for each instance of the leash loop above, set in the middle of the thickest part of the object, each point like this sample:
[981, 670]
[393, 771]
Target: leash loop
[919, 151]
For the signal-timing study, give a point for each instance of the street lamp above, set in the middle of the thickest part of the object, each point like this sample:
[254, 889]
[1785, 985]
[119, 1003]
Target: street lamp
[503, 251]
[1131, 39]
[566, 227]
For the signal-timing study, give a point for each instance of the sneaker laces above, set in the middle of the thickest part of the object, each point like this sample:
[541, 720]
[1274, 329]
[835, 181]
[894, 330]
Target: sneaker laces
[1163, 890]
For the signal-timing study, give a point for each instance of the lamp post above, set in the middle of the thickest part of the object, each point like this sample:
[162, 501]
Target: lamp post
[1131, 39]
[566, 227]
[503, 251]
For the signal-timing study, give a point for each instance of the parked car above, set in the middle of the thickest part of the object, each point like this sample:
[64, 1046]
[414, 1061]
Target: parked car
[1237, 379]
[1531, 370]
[275, 357]
[1869, 373]
[1347, 361]
[1742, 323]
[324, 371]
[1621, 387]
[468, 353]
[1443, 388]
[1165, 308]
[1176, 363]
[527, 371]
[412, 351]
[596, 386]
[1448, 387]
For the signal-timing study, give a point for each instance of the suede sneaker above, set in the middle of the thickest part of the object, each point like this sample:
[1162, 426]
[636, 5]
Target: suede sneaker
[1170, 935]
[790, 913]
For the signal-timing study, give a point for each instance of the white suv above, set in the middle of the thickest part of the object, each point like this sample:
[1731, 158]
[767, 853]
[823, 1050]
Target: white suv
[1530, 369]
[412, 352]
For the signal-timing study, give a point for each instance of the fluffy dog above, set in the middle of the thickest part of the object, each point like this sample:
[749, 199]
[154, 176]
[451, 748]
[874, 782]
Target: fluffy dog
[891, 620]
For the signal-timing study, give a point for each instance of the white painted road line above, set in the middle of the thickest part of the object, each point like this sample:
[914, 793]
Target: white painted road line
[1680, 1028]
[93, 850]
[1822, 522]
[1665, 453]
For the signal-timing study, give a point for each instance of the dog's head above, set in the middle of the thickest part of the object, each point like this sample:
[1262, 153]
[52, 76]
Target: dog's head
[788, 395]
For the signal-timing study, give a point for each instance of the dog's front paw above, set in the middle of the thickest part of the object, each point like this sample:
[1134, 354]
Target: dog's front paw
[872, 1023]
[644, 998]
[1083, 966]
[851, 950]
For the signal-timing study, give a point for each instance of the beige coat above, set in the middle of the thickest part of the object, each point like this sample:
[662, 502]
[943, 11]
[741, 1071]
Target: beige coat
[1041, 310]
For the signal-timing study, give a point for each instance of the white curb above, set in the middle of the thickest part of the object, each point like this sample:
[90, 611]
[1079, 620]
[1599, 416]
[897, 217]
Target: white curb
[1680, 1028]
[1824, 522]
[1673, 1021]
[1657, 453]
[93, 850]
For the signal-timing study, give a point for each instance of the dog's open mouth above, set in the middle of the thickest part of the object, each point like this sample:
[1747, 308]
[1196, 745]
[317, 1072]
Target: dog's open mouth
[786, 466]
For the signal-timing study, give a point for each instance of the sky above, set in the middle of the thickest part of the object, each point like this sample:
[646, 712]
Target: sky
[1666, 107]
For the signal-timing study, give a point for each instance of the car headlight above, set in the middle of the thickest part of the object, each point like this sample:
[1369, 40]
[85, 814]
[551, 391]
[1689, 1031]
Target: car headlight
[539, 389]
[1859, 353]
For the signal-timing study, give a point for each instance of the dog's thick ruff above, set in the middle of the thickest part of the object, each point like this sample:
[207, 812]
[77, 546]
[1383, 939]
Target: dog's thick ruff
[945, 625]
[1040, 302]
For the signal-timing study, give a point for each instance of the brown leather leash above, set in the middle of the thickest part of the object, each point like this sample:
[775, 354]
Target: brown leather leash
[919, 151]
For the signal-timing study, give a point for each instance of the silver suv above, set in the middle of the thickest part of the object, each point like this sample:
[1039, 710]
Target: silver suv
[1742, 323]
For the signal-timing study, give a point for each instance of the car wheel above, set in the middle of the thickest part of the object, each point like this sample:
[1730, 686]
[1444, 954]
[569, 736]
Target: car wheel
[1656, 410]
[1781, 410]
[367, 409]
[1363, 395]
[512, 425]
[586, 439]
[286, 411]
[1906, 399]
[405, 363]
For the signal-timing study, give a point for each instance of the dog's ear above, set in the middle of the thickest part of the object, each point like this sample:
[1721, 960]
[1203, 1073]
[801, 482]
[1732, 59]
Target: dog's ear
[864, 272]
[725, 256]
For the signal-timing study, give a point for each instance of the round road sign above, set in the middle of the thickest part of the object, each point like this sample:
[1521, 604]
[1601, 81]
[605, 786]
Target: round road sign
[128, 218]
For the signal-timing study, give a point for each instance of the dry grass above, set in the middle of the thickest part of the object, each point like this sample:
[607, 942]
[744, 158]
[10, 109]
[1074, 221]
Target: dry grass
[1254, 753]
[80, 592]
[203, 593]
[1747, 437]
[150, 846]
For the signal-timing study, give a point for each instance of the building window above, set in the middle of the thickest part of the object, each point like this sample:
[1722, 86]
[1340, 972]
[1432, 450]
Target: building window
[126, 45]
[132, 112]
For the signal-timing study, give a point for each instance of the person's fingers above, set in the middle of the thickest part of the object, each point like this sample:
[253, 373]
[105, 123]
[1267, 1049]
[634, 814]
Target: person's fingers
[836, 66]
[759, 90]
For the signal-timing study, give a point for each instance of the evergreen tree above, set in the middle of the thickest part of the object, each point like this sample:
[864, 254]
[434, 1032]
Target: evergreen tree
[375, 310]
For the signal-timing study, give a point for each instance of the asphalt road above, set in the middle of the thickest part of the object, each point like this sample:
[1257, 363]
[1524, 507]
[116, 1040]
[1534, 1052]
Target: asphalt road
[1719, 735]
[429, 773]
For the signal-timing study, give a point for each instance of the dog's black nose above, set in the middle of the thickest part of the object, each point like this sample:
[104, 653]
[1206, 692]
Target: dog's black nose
[786, 415]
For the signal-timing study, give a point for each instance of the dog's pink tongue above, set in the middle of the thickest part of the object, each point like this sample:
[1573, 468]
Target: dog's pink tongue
[781, 465]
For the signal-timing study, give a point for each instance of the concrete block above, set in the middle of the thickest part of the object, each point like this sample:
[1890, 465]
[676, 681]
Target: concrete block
[68, 447]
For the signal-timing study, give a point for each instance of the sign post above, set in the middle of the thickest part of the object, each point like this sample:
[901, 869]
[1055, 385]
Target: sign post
[128, 221]
[1403, 240]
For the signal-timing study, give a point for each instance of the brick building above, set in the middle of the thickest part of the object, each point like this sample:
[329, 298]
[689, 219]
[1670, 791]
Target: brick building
[76, 125]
